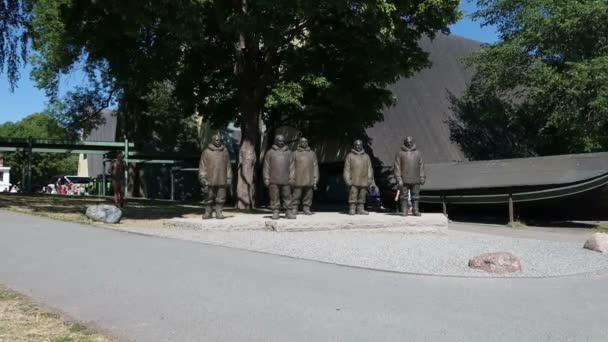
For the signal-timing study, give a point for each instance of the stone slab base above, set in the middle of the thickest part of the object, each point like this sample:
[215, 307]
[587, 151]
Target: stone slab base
[382, 222]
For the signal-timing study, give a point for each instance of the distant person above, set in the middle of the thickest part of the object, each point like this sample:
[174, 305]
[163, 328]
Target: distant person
[117, 171]
[58, 185]
[16, 187]
[396, 199]
[374, 198]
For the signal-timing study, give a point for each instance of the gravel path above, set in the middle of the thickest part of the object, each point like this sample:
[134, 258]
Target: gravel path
[434, 254]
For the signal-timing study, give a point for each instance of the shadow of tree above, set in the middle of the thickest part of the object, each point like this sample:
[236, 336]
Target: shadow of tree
[135, 208]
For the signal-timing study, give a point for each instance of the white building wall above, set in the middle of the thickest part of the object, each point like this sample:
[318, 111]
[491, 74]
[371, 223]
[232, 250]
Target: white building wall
[5, 179]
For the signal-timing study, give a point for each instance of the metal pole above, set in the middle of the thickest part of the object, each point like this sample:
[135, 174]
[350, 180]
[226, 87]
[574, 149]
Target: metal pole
[23, 175]
[172, 185]
[511, 211]
[445, 207]
[29, 165]
[103, 176]
[127, 165]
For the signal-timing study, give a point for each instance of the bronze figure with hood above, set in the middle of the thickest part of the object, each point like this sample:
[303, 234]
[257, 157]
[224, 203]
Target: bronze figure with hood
[215, 176]
[305, 177]
[277, 171]
[409, 172]
[358, 176]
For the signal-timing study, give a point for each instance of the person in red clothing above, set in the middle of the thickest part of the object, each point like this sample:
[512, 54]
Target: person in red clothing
[117, 170]
[58, 185]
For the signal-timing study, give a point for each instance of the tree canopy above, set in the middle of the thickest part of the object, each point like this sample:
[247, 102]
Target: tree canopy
[320, 66]
[15, 16]
[44, 165]
[542, 89]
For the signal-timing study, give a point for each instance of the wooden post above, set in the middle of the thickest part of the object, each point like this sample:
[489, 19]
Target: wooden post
[511, 211]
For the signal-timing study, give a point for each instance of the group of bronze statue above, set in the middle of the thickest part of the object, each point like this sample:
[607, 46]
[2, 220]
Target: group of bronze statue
[293, 176]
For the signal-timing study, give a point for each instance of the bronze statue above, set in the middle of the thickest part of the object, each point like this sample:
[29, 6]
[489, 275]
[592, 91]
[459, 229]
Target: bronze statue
[215, 176]
[409, 172]
[305, 177]
[117, 171]
[358, 175]
[278, 168]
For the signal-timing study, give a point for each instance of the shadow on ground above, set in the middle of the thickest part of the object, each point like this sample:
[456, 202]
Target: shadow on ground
[523, 222]
[73, 208]
[136, 209]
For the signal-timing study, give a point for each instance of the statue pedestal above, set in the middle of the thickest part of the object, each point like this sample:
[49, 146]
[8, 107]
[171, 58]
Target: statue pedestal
[381, 222]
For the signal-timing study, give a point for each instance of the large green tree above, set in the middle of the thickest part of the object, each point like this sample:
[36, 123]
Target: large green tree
[15, 16]
[44, 165]
[543, 88]
[321, 66]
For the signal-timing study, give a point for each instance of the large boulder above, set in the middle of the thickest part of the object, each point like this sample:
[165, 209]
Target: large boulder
[104, 213]
[598, 242]
[501, 262]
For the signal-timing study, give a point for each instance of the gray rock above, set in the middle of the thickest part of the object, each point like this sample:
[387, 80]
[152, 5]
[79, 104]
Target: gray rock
[501, 262]
[598, 242]
[104, 213]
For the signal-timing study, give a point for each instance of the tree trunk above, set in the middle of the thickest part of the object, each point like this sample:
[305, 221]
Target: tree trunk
[253, 71]
[250, 131]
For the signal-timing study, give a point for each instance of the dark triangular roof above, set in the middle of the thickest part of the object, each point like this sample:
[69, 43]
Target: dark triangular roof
[423, 105]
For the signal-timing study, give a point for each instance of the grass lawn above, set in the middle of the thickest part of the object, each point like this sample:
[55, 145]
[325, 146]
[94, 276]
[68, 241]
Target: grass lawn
[72, 208]
[21, 320]
[601, 229]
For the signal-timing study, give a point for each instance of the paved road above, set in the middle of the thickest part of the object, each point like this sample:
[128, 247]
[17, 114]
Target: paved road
[151, 289]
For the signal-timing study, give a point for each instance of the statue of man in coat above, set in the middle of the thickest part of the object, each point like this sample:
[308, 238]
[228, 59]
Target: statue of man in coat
[277, 171]
[409, 172]
[215, 176]
[118, 166]
[305, 177]
[358, 176]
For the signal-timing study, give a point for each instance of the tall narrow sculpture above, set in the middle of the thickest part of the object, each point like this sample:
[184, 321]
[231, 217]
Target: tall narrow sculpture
[305, 177]
[117, 171]
[278, 166]
[215, 176]
[409, 172]
[358, 176]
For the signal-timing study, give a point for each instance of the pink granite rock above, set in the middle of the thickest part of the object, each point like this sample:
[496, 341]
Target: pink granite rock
[598, 242]
[501, 262]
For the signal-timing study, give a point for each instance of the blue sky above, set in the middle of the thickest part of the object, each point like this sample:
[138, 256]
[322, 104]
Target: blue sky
[27, 99]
